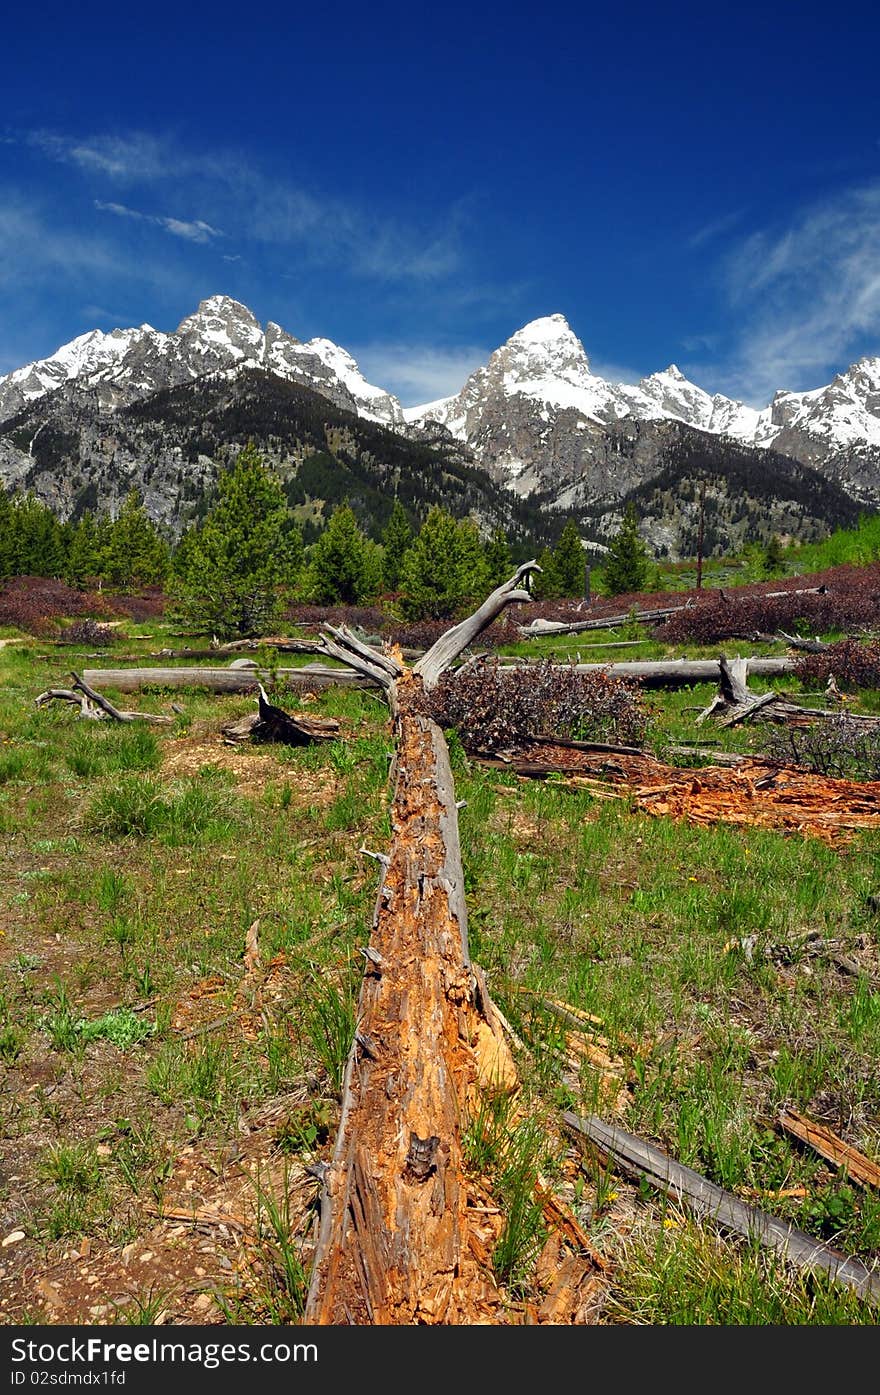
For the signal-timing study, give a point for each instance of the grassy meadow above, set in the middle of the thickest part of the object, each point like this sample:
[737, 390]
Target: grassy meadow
[165, 1092]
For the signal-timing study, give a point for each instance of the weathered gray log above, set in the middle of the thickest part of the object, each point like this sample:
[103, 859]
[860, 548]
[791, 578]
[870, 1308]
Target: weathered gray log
[393, 1244]
[712, 1203]
[222, 680]
[671, 672]
[809, 646]
[562, 627]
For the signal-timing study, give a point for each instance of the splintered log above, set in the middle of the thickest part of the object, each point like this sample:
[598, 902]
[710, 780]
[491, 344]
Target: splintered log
[641, 1159]
[394, 1240]
[223, 680]
[857, 1166]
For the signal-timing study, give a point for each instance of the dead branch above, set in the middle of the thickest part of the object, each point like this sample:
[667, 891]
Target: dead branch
[454, 642]
[857, 1166]
[735, 703]
[560, 627]
[94, 707]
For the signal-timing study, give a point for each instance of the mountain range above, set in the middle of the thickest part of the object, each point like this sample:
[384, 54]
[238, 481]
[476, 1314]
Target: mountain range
[531, 438]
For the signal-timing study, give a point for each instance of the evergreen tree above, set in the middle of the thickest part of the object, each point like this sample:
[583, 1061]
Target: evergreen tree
[498, 563]
[344, 565]
[230, 579]
[37, 544]
[445, 566]
[84, 557]
[7, 536]
[773, 561]
[397, 538]
[546, 584]
[569, 561]
[626, 566]
[136, 554]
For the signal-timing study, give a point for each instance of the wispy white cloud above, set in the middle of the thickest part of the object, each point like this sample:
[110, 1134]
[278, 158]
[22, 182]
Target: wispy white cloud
[257, 204]
[32, 247]
[807, 296]
[418, 373]
[192, 231]
[133, 158]
[716, 228]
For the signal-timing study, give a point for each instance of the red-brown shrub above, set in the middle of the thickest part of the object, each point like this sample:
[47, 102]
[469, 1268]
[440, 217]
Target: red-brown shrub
[853, 663]
[35, 603]
[493, 707]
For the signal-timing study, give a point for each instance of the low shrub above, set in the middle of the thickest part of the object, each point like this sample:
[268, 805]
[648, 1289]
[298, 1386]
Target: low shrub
[36, 603]
[838, 748]
[90, 632]
[494, 707]
[853, 663]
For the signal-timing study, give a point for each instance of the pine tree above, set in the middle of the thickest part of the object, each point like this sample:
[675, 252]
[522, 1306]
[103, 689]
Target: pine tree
[84, 558]
[136, 554]
[498, 563]
[773, 561]
[397, 538]
[7, 536]
[569, 561]
[546, 584]
[626, 566]
[231, 577]
[38, 542]
[445, 567]
[345, 567]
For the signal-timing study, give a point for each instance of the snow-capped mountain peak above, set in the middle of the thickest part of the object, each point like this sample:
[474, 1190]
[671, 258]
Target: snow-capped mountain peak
[221, 335]
[542, 350]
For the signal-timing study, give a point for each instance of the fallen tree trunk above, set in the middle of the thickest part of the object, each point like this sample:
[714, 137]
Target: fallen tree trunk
[222, 680]
[712, 1203]
[393, 1245]
[663, 673]
[562, 627]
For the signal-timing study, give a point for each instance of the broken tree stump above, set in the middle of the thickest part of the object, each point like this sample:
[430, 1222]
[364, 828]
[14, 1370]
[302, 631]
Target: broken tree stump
[273, 724]
[734, 702]
[393, 1245]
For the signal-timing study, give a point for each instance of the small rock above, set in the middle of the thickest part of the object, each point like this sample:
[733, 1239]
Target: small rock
[12, 1238]
[147, 1255]
[128, 1251]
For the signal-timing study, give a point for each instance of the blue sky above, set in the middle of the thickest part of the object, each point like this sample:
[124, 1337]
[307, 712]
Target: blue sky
[687, 183]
